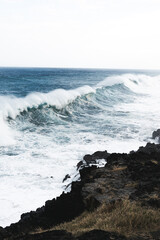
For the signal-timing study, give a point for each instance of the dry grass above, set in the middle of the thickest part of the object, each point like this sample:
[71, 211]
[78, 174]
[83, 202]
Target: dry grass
[131, 184]
[155, 162]
[118, 168]
[124, 217]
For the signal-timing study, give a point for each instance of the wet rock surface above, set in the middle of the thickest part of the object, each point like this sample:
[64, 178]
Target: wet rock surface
[134, 176]
[92, 159]
[66, 177]
[156, 135]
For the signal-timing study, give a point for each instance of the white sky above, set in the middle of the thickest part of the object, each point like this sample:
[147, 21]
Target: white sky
[80, 33]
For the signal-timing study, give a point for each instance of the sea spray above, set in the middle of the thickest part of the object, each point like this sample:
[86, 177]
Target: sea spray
[6, 134]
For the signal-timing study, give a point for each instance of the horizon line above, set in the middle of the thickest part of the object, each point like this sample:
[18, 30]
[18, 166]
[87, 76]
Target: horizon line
[85, 68]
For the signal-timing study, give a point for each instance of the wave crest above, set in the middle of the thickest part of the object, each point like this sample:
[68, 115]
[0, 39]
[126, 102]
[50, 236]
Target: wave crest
[138, 83]
[12, 106]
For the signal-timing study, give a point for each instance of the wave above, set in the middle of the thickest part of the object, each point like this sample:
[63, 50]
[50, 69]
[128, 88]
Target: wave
[138, 83]
[11, 106]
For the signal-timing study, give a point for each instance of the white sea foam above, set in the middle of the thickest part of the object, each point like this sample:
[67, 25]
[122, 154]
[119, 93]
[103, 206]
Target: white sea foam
[6, 134]
[138, 83]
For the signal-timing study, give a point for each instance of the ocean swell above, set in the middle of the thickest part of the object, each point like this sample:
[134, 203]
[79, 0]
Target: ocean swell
[125, 87]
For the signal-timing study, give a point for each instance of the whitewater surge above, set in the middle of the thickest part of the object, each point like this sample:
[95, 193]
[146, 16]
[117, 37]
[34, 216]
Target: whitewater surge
[6, 134]
[43, 134]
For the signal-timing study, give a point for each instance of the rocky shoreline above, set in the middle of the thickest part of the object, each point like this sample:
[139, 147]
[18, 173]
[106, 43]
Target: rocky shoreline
[134, 176]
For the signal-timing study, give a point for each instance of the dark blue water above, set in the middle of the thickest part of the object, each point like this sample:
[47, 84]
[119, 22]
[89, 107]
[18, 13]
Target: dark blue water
[22, 81]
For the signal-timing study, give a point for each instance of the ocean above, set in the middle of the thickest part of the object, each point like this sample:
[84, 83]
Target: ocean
[50, 118]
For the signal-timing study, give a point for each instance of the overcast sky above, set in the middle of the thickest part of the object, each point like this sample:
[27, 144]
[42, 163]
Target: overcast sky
[80, 33]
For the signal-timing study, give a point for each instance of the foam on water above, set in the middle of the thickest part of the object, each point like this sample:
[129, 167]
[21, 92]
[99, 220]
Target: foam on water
[6, 134]
[11, 106]
[138, 83]
[44, 135]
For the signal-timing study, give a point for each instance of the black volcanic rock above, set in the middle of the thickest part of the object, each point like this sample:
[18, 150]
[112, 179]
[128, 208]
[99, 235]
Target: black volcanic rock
[64, 208]
[80, 165]
[150, 148]
[66, 177]
[156, 135]
[91, 159]
[134, 176]
[101, 235]
[49, 235]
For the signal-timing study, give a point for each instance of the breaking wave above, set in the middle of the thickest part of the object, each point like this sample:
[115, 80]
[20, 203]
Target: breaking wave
[138, 83]
[104, 93]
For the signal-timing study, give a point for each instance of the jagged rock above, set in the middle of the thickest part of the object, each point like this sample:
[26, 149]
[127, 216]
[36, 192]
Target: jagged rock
[90, 159]
[150, 148]
[66, 177]
[80, 165]
[156, 135]
[64, 208]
